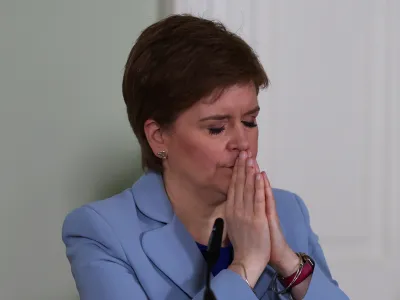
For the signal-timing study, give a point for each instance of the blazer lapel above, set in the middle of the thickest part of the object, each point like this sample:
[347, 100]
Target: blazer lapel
[175, 253]
[170, 247]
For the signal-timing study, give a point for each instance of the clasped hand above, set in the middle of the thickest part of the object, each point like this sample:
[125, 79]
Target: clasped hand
[253, 225]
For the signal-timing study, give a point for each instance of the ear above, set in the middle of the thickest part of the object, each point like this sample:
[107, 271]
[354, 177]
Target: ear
[155, 136]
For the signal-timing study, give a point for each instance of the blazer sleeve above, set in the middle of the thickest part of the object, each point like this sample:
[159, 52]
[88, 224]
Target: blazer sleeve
[98, 264]
[228, 285]
[322, 285]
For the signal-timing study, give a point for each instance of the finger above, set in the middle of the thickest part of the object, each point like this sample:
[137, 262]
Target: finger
[248, 195]
[240, 180]
[270, 200]
[257, 166]
[231, 190]
[259, 196]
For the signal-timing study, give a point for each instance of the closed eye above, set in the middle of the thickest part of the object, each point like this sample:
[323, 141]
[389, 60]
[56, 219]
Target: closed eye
[216, 130]
[249, 124]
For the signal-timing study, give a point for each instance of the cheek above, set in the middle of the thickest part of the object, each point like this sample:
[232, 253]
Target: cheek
[200, 153]
[254, 148]
[253, 141]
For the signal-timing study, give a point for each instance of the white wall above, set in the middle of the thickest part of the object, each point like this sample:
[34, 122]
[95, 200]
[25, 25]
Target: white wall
[64, 137]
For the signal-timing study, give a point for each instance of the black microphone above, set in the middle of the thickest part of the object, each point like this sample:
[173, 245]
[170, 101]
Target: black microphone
[212, 255]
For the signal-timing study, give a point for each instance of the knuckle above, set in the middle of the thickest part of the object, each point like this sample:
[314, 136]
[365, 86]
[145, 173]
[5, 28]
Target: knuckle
[246, 219]
[238, 213]
[259, 190]
[248, 188]
[259, 198]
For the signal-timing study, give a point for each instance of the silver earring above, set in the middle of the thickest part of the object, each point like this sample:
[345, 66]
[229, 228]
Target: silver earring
[162, 154]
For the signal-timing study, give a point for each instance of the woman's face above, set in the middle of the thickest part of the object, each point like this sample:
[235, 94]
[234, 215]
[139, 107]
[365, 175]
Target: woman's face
[207, 138]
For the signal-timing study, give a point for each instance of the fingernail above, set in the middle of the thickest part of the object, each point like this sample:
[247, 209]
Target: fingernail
[243, 154]
[250, 162]
[258, 176]
[250, 154]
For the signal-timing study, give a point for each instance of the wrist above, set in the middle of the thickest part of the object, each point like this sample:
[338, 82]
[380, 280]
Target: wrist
[305, 270]
[248, 274]
[287, 265]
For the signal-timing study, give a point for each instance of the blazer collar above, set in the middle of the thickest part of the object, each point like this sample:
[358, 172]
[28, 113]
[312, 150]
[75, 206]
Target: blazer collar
[151, 198]
[170, 247]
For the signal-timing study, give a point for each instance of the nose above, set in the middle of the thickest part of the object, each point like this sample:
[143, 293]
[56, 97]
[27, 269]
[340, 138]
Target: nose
[239, 140]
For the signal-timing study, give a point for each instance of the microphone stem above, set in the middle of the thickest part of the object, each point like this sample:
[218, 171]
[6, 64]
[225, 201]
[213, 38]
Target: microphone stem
[208, 278]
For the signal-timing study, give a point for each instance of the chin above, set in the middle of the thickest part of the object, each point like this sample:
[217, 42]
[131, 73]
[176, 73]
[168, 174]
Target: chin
[219, 181]
[223, 184]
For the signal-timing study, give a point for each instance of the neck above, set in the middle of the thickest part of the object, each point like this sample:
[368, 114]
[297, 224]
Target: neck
[197, 208]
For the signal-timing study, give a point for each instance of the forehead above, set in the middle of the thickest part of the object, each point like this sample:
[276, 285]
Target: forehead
[235, 100]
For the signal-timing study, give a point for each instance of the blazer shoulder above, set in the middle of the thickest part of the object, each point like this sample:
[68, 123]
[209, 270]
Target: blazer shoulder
[289, 204]
[284, 197]
[113, 212]
[115, 206]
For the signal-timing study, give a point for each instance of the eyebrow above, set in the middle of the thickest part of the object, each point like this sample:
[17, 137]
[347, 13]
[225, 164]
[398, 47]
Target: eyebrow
[223, 117]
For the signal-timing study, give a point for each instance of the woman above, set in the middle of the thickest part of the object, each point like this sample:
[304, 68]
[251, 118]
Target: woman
[191, 88]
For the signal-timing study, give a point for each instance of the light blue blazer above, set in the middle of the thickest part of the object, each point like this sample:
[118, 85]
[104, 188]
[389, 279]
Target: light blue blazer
[132, 246]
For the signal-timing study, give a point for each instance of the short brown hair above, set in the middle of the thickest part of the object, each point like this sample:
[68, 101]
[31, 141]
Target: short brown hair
[175, 63]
